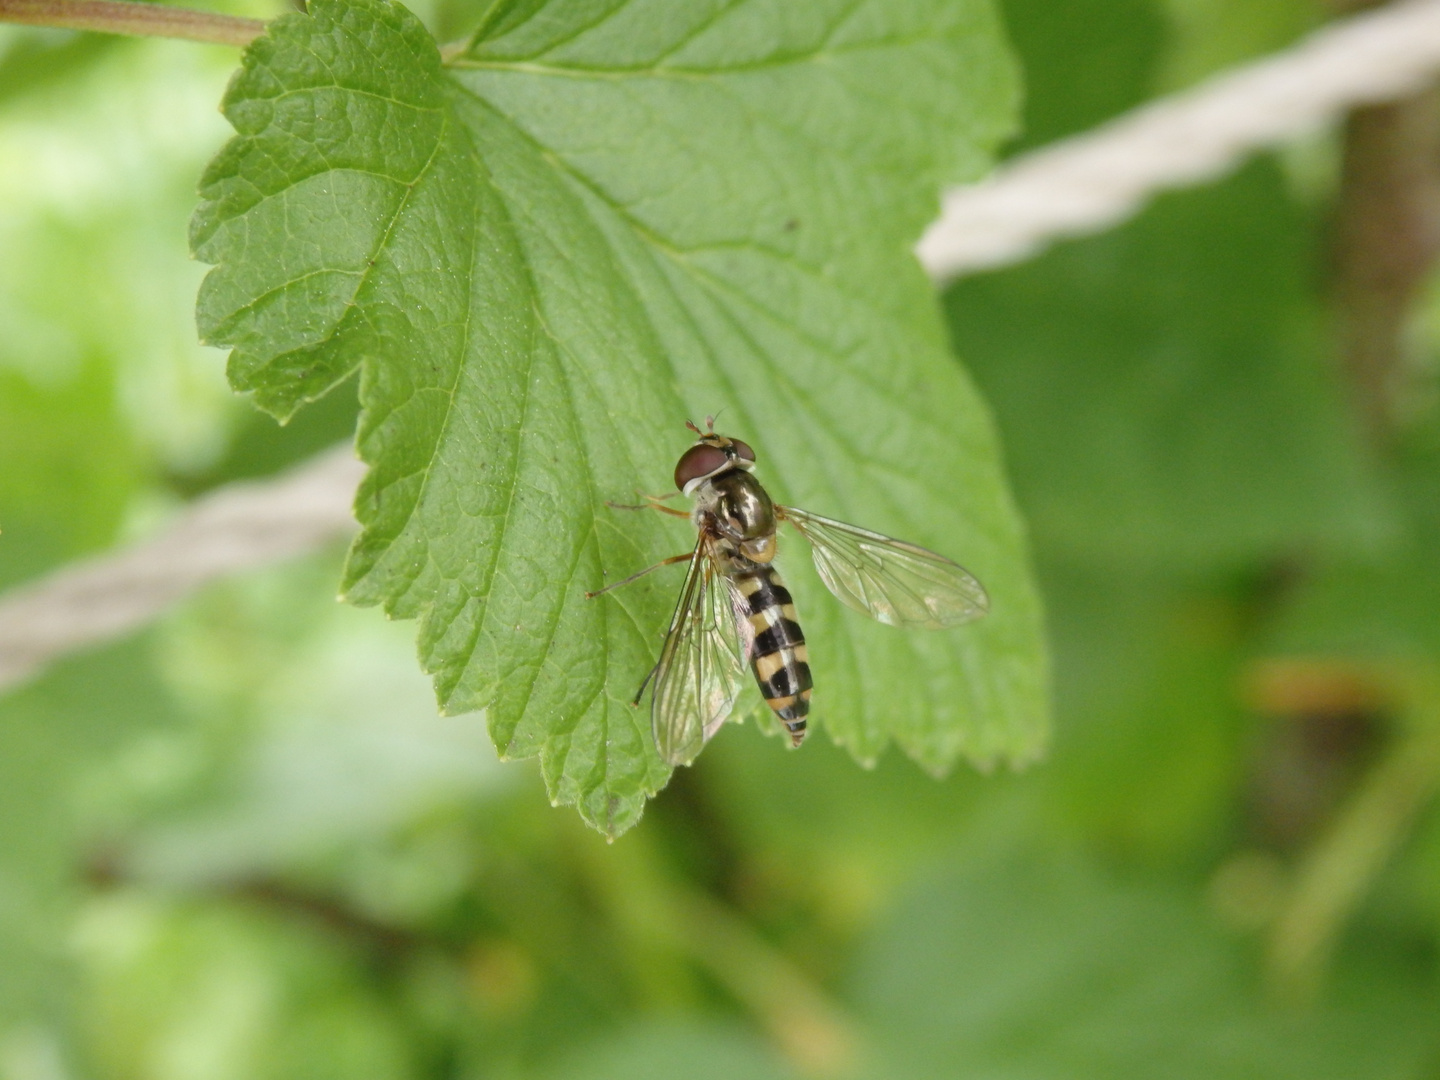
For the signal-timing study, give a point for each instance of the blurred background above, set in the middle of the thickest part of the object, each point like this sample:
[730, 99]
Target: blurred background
[242, 846]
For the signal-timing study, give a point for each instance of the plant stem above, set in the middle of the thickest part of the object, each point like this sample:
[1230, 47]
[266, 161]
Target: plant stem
[1387, 240]
[1342, 866]
[128, 17]
[812, 1032]
[663, 919]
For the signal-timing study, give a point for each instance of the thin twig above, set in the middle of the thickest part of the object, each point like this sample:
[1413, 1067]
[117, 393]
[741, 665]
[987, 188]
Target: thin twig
[139, 19]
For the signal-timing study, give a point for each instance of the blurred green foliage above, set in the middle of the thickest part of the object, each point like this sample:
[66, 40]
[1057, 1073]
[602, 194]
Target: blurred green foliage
[243, 845]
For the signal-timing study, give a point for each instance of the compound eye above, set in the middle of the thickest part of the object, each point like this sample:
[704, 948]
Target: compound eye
[700, 460]
[743, 449]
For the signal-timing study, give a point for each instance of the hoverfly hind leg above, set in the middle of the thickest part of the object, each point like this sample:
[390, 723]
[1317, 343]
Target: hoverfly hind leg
[635, 577]
[635, 701]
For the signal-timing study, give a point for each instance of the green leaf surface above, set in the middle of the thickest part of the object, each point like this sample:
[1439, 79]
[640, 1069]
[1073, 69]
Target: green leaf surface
[1039, 964]
[1149, 732]
[53, 734]
[230, 990]
[1084, 61]
[1385, 606]
[1164, 391]
[70, 465]
[1213, 34]
[662, 1050]
[601, 219]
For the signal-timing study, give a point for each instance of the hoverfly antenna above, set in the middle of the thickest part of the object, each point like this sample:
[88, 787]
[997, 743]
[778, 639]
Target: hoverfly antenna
[691, 425]
[710, 424]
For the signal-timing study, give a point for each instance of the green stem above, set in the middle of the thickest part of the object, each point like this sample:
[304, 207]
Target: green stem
[1339, 870]
[127, 17]
[812, 1032]
[663, 919]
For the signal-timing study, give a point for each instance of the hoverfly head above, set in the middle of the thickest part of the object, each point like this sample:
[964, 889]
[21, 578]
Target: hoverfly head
[711, 455]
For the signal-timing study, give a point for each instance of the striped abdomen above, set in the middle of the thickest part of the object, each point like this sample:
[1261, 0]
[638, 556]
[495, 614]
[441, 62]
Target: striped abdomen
[777, 654]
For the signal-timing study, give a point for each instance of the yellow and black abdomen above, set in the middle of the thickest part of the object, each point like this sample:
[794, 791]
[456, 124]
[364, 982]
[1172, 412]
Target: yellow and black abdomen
[777, 652]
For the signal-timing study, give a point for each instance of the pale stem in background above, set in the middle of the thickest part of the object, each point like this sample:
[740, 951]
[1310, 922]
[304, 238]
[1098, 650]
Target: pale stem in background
[141, 19]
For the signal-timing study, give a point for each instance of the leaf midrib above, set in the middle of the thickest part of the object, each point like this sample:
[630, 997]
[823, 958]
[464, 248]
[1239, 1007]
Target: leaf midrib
[679, 256]
[720, 288]
[552, 621]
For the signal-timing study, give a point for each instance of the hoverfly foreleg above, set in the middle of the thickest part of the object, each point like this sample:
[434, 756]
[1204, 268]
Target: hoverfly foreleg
[652, 502]
[633, 577]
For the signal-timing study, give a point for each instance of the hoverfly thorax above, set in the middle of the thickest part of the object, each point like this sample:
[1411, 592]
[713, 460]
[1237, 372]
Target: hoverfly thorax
[730, 503]
[742, 507]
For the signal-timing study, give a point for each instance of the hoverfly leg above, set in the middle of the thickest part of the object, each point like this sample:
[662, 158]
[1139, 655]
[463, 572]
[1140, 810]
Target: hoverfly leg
[635, 701]
[652, 502]
[633, 577]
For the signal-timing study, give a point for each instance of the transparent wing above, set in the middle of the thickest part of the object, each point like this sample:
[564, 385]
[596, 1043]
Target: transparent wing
[701, 665]
[898, 583]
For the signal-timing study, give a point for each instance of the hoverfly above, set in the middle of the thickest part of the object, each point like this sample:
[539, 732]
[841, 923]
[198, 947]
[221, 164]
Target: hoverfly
[734, 606]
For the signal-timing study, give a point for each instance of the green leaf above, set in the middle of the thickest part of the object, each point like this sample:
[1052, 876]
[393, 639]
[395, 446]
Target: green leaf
[1039, 964]
[603, 218]
[70, 467]
[231, 990]
[703, 1051]
[1382, 605]
[1213, 34]
[1149, 732]
[54, 734]
[1163, 388]
[1084, 61]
